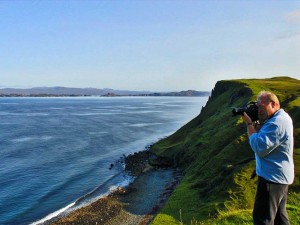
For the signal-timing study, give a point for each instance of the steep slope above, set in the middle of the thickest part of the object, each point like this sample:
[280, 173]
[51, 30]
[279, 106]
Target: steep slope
[214, 153]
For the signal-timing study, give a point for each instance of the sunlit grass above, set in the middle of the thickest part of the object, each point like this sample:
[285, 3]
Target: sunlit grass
[214, 153]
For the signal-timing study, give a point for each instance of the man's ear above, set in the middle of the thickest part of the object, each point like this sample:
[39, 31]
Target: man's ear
[274, 105]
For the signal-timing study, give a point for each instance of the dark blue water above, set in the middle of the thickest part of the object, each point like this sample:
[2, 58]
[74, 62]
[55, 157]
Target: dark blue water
[54, 151]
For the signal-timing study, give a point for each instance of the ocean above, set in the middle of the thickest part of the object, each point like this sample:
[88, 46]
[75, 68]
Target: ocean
[56, 152]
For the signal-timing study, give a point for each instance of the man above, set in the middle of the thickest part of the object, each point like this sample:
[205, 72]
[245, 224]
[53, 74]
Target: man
[272, 142]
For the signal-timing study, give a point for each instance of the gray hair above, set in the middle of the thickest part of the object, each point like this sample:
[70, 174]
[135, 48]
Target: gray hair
[270, 96]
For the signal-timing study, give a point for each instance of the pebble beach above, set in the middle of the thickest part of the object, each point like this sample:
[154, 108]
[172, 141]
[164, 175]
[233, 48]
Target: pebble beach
[137, 203]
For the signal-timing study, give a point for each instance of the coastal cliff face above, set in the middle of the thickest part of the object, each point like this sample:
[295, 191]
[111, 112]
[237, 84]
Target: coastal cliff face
[214, 153]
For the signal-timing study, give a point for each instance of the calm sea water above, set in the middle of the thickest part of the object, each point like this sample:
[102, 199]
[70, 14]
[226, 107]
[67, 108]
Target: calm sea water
[56, 152]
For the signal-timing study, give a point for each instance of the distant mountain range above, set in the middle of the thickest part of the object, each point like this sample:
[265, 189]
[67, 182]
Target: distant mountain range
[65, 91]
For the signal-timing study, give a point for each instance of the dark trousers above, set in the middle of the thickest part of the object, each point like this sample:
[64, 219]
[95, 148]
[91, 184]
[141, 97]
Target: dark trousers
[270, 203]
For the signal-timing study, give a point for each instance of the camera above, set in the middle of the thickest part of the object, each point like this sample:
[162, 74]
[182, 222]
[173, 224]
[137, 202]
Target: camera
[251, 109]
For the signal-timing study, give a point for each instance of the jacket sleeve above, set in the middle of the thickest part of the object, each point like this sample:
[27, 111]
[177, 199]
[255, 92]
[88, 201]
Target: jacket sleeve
[266, 140]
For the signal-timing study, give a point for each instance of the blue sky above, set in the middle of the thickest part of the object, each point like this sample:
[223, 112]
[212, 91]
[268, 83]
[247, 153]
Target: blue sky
[155, 45]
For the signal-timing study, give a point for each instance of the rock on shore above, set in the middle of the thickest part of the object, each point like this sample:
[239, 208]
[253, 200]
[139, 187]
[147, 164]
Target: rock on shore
[138, 203]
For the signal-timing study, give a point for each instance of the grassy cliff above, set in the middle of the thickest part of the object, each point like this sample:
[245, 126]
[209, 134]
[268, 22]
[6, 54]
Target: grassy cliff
[214, 153]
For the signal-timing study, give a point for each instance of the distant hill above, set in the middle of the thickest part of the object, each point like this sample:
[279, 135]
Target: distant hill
[182, 93]
[65, 91]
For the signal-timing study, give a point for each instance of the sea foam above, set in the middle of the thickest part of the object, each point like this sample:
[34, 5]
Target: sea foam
[52, 215]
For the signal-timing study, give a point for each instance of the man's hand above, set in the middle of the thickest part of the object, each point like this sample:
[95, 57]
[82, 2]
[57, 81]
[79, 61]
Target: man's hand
[251, 127]
[246, 118]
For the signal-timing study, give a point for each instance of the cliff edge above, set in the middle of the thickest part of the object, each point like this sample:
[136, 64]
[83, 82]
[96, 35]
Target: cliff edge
[214, 153]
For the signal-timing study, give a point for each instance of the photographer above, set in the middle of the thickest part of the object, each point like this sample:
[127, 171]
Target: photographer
[272, 142]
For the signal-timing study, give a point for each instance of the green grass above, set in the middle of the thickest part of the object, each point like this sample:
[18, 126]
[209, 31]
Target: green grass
[214, 153]
[182, 200]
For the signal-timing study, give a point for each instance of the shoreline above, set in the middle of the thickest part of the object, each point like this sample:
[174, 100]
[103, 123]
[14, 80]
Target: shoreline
[137, 203]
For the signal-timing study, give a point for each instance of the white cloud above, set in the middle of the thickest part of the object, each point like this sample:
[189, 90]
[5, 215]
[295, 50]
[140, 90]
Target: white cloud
[288, 35]
[293, 17]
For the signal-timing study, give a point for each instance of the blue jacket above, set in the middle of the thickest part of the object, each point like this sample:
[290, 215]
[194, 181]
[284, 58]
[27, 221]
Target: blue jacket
[273, 148]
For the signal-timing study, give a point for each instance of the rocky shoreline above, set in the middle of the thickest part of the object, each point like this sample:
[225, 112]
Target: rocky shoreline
[139, 202]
